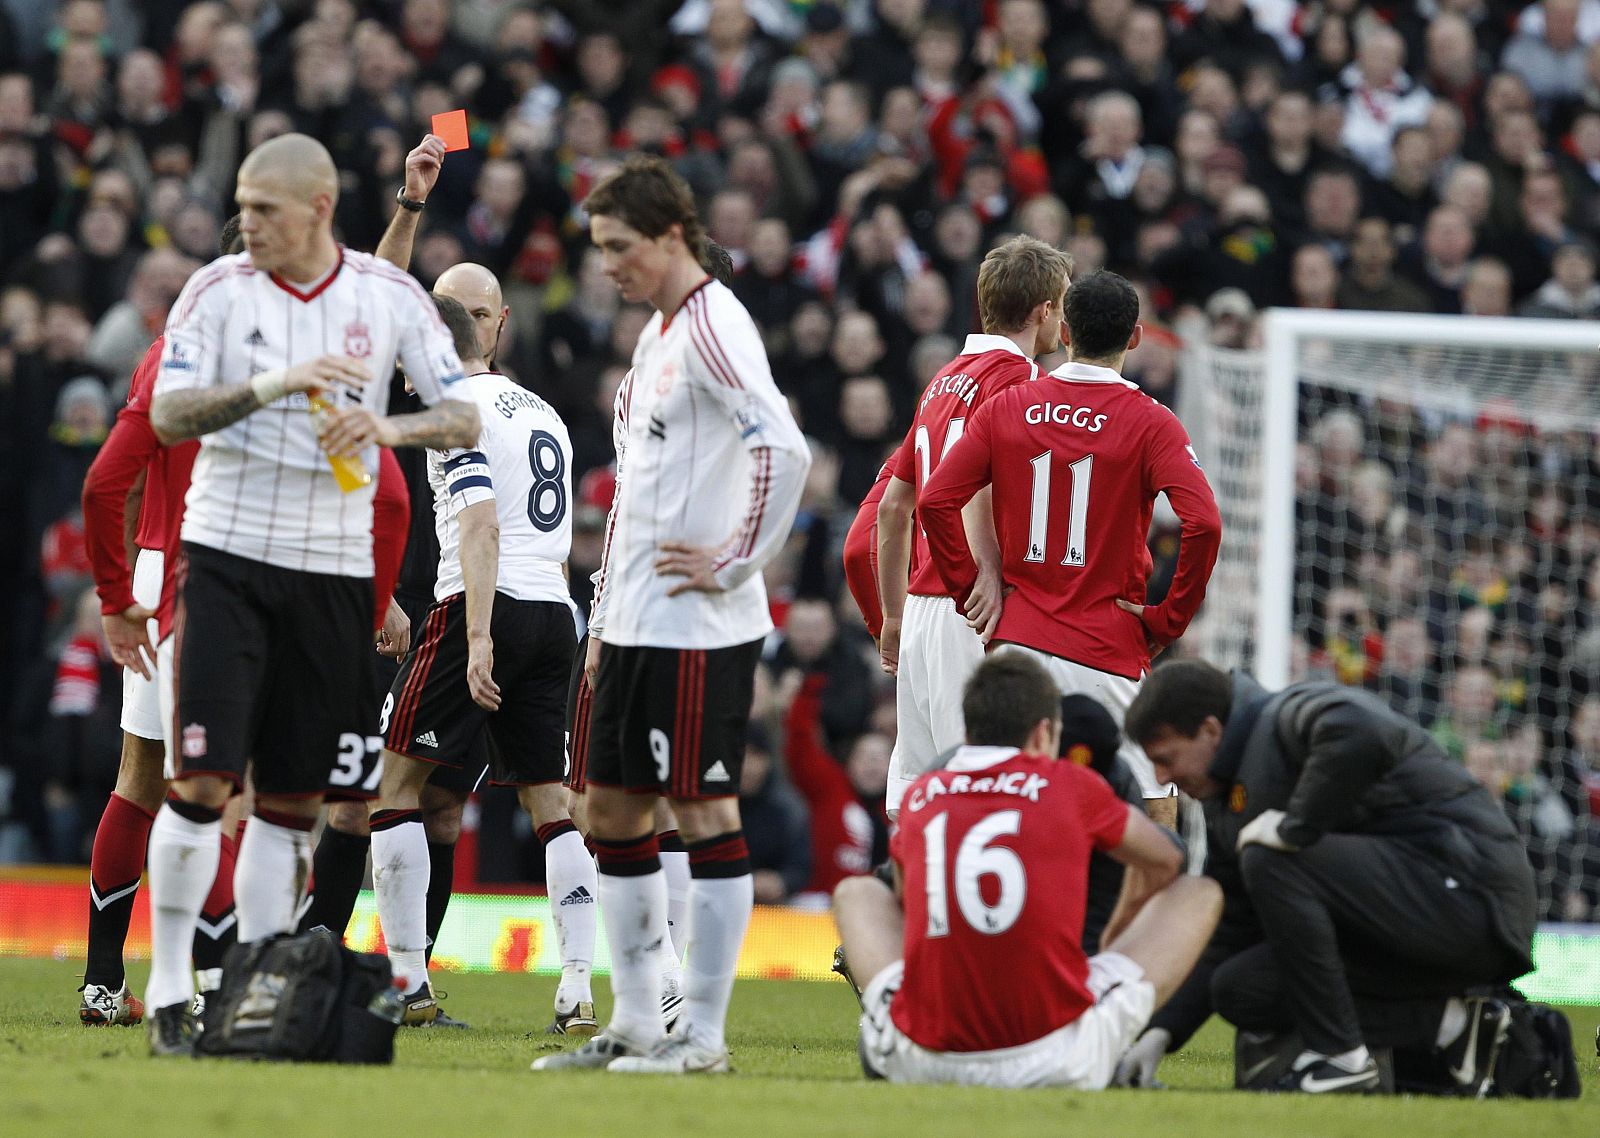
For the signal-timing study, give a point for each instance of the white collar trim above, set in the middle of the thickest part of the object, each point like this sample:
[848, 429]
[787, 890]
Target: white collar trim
[980, 342]
[971, 758]
[1074, 372]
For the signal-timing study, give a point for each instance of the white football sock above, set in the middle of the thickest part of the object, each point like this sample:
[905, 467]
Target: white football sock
[1453, 1022]
[572, 882]
[634, 910]
[400, 874]
[720, 913]
[676, 865]
[182, 858]
[270, 878]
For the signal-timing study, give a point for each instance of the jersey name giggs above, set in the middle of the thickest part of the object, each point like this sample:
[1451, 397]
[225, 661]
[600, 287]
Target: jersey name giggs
[1065, 415]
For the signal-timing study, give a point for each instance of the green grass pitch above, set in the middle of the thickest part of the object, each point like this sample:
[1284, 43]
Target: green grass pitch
[796, 1073]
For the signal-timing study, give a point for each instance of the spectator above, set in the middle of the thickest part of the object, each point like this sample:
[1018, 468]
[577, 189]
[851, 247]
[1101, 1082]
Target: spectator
[1314, 278]
[843, 828]
[1455, 64]
[1486, 291]
[1439, 263]
[866, 418]
[1332, 208]
[812, 642]
[1571, 292]
[1551, 60]
[1369, 281]
[1470, 713]
[1379, 98]
[1406, 677]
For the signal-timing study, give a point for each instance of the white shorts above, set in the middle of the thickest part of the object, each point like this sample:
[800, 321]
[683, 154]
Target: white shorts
[169, 700]
[141, 705]
[938, 654]
[1114, 693]
[1081, 1056]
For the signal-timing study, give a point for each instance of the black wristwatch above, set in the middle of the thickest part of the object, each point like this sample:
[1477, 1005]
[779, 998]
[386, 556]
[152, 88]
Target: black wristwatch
[408, 203]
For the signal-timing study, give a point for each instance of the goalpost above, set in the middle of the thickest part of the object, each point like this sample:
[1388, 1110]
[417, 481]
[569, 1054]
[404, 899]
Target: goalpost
[1411, 503]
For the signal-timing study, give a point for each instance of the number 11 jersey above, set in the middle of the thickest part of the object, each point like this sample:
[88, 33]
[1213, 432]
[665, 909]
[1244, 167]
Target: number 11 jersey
[523, 463]
[993, 853]
[1076, 461]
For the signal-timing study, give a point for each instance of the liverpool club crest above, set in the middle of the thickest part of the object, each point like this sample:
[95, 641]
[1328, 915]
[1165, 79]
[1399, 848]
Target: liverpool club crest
[357, 340]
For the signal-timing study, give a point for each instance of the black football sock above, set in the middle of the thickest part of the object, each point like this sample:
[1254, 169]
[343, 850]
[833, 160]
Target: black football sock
[441, 880]
[338, 866]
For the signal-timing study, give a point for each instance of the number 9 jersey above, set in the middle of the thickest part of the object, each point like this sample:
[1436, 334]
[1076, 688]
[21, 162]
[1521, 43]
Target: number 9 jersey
[993, 853]
[523, 461]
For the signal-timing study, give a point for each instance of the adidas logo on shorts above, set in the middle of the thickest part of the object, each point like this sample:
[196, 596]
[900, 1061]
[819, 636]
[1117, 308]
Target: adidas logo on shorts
[717, 773]
[427, 739]
[579, 896]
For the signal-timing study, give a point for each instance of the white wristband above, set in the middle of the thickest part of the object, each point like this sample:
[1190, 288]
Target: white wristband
[269, 386]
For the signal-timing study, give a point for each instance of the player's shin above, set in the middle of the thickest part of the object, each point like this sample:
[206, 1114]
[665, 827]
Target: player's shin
[217, 927]
[400, 874]
[721, 897]
[337, 866]
[441, 886]
[185, 844]
[114, 868]
[573, 883]
[274, 861]
[633, 903]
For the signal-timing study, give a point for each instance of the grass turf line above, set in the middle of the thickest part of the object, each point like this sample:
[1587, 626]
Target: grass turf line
[794, 1052]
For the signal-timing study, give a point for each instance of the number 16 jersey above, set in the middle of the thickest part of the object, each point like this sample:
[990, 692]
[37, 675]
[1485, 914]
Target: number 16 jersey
[993, 853]
[523, 463]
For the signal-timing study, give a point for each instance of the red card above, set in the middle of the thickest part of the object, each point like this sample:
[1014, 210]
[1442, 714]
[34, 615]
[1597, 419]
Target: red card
[452, 127]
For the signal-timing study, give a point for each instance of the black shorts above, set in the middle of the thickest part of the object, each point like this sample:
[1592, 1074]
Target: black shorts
[671, 721]
[271, 666]
[434, 717]
[359, 766]
[580, 701]
[462, 780]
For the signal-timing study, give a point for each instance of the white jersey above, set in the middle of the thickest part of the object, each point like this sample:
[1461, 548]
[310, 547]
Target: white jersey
[262, 487]
[707, 453]
[522, 463]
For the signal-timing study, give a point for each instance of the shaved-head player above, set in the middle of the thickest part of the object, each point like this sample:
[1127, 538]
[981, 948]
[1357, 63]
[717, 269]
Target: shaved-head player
[273, 629]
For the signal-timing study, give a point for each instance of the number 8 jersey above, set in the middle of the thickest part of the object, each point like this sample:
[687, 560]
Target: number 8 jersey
[523, 462]
[993, 853]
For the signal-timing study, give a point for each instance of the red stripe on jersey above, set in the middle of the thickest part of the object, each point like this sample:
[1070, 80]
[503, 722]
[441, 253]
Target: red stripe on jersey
[218, 271]
[410, 695]
[390, 272]
[578, 751]
[318, 290]
[177, 566]
[691, 779]
[704, 338]
[680, 737]
[744, 539]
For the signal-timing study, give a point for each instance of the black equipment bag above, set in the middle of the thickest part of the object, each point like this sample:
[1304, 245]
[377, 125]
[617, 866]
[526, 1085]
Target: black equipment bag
[301, 998]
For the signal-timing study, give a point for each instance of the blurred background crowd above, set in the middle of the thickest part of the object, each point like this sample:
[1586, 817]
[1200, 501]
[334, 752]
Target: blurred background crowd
[857, 157]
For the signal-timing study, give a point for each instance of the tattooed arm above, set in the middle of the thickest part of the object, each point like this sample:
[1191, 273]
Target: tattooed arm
[448, 423]
[188, 413]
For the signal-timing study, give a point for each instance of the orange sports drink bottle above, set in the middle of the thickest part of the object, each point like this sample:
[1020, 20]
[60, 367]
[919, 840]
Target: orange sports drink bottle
[348, 471]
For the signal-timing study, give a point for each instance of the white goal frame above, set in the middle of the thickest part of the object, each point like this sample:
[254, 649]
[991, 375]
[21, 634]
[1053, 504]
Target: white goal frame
[1284, 332]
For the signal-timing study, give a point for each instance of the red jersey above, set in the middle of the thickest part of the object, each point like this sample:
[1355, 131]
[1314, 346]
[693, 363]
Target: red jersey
[986, 366]
[132, 447]
[1076, 461]
[993, 853]
[861, 556]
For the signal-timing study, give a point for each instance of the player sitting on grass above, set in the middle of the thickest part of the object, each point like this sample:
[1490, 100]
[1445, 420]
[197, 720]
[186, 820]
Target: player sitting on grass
[977, 974]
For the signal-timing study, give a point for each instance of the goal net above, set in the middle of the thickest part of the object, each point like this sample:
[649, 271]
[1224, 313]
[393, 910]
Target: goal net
[1411, 504]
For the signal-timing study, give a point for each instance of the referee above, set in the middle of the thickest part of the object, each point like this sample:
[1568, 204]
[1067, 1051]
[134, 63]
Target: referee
[1371, 883]
[273, 624]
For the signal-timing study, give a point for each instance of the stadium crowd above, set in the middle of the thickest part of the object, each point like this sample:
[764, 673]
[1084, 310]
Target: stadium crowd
[857, 160]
